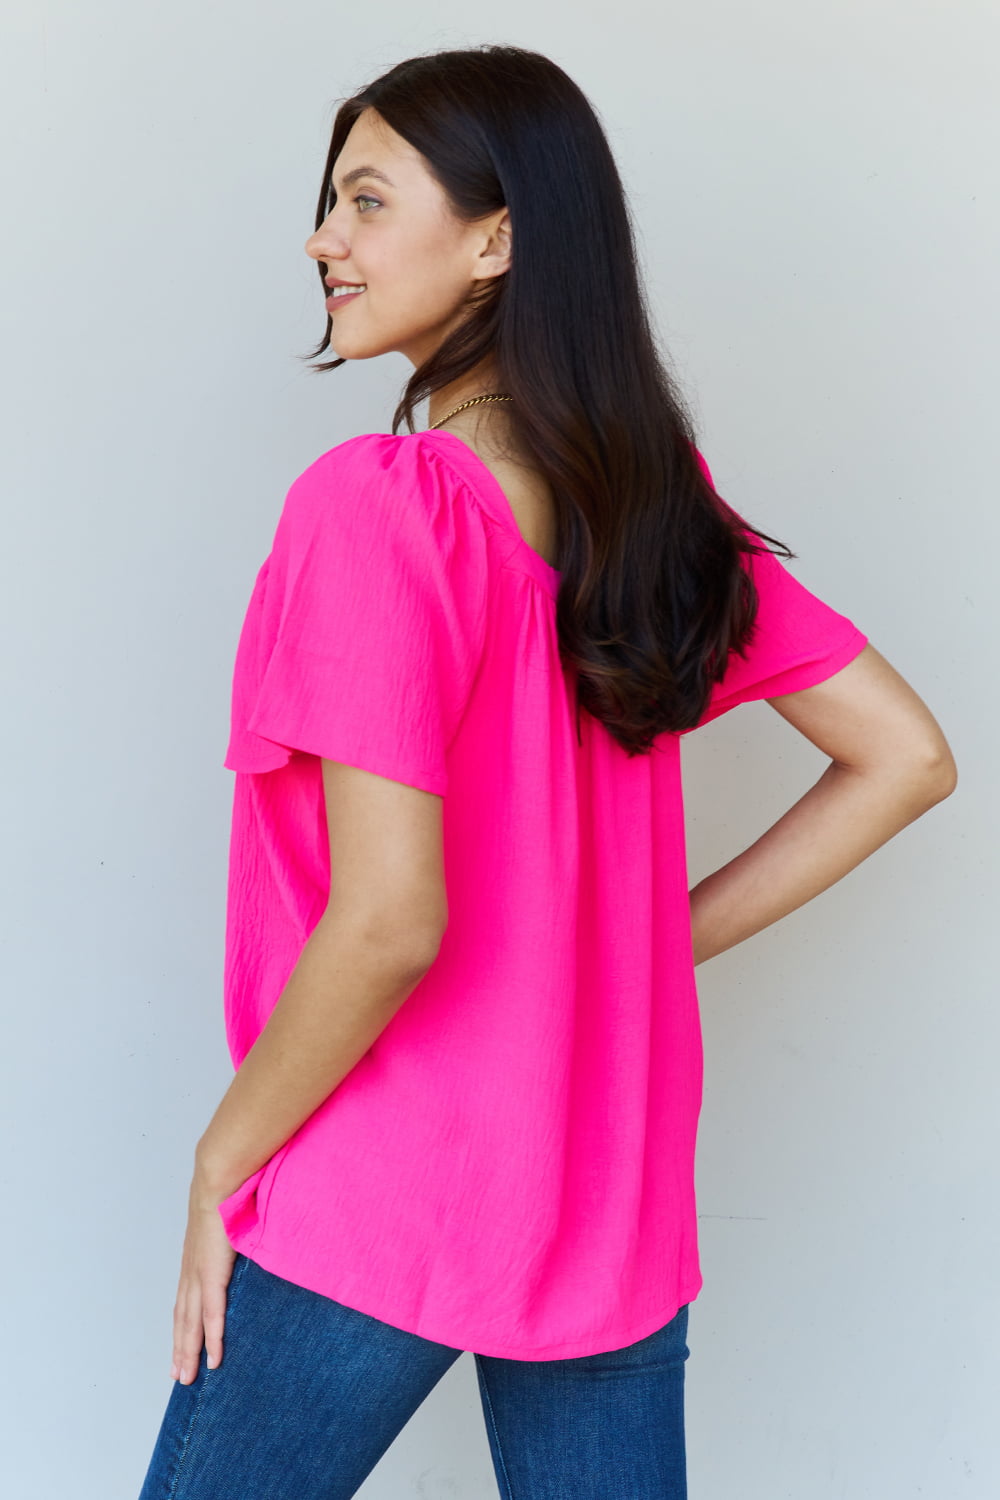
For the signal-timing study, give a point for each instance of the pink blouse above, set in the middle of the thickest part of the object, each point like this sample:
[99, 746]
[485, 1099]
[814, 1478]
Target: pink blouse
[509, 1168]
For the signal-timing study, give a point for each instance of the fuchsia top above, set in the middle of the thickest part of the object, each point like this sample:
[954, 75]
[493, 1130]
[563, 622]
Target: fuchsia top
[509, 1169]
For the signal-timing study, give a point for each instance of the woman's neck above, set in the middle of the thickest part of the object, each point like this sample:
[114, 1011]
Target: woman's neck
[482, 381]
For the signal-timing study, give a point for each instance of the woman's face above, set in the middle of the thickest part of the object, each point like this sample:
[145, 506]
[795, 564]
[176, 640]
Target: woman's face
[391, 230]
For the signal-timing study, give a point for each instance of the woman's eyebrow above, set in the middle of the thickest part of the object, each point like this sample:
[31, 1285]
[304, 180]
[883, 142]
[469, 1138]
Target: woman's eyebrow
[359, 172]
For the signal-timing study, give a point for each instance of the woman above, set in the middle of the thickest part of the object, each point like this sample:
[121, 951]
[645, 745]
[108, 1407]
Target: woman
[460, 947]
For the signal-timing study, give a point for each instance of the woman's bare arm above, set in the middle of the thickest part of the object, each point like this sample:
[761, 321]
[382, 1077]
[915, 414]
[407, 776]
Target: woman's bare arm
[379, 934]
[890, 763]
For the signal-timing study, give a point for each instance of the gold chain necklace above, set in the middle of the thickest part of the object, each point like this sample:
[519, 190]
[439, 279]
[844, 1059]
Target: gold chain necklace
[475, 400]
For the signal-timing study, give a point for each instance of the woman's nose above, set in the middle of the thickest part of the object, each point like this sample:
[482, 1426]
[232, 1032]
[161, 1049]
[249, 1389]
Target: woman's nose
[326, 243]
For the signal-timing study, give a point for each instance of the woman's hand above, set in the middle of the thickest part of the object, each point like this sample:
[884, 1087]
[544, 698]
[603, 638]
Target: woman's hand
[206, 1266]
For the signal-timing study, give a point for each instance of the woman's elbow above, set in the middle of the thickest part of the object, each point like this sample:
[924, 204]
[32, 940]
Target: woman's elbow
[934, 771]
[915, 771]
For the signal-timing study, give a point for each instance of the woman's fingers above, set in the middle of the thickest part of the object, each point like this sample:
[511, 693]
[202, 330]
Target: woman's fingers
[188, 1330]
[202, 1292]
[214, 1304]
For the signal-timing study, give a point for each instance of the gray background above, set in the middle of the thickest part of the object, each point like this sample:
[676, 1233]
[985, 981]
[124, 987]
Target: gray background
[816, 193]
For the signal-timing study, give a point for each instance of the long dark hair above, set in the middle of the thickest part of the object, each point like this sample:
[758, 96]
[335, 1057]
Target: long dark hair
[653, 594]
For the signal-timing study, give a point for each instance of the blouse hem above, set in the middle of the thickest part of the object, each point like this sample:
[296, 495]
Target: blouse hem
[567, 1349]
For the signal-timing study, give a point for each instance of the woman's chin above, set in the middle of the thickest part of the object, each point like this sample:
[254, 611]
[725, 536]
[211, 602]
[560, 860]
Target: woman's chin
[346, 347]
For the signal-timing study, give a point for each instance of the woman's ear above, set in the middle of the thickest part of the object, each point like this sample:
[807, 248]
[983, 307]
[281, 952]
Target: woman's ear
[495, 253]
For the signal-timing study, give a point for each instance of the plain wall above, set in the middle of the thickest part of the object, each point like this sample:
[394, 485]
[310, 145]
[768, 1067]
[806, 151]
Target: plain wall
[816, 195]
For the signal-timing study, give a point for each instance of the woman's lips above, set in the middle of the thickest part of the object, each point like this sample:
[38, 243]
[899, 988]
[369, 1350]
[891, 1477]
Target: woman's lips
[332, 302]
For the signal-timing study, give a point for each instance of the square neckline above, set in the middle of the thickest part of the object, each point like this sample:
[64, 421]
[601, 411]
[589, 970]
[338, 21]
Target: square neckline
[489, 491]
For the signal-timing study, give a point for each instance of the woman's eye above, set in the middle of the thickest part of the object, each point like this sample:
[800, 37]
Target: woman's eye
[364, 198]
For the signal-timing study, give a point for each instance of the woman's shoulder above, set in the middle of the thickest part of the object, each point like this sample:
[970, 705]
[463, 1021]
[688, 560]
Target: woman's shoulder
[373, 452]
[386, 470]
[384, 499]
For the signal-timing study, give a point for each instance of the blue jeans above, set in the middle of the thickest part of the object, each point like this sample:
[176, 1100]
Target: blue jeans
[310, 1394]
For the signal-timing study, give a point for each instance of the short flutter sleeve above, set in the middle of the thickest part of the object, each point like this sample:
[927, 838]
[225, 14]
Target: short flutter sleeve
[797, 640]
[366, 623]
